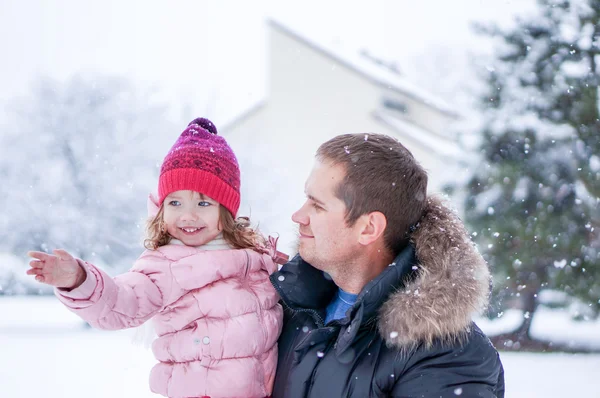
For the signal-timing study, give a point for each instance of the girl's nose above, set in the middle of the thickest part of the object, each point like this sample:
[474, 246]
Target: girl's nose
[189, 215]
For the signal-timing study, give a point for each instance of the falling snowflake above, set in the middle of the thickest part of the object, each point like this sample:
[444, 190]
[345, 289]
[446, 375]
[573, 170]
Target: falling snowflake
[561, 263]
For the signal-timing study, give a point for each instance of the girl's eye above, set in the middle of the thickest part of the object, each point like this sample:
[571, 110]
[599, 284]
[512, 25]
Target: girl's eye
[174, 203]
[317, 207]
[204, 203]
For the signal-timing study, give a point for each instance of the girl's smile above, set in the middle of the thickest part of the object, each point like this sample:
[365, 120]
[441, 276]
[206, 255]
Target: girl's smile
[189, 230]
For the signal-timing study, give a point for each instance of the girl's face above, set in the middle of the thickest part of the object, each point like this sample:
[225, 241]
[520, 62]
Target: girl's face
[191, 217]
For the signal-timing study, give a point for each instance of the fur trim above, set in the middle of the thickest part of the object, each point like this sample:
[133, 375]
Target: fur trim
[452, 284]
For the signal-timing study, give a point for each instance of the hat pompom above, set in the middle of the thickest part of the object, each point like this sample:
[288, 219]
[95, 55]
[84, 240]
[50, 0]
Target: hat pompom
[205, 124]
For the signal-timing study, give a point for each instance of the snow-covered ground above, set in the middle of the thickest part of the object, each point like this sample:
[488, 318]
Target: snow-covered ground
[46, 351]
[549, 325]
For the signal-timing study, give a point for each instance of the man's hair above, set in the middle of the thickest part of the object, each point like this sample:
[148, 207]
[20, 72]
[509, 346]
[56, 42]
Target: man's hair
[381, 175]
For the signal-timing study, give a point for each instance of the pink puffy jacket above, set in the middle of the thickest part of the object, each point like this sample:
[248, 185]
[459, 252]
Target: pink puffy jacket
[216, 315]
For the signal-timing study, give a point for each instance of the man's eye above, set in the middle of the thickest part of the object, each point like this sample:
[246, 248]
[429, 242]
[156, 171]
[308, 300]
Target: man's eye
[174, 203]
[316, 206]
[204, 203]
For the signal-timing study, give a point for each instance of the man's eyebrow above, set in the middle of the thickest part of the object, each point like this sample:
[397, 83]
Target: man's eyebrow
[314, 199]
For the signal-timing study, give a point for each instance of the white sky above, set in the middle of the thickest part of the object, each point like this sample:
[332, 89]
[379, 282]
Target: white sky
[212, 54]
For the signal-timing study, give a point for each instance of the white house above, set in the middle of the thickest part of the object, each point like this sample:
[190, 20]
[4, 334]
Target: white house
[313, 94]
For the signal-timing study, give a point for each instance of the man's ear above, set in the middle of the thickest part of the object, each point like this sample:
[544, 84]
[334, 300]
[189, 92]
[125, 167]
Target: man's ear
[373, 227]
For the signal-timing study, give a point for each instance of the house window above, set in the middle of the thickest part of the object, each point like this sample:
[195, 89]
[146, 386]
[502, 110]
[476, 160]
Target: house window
[395, 105]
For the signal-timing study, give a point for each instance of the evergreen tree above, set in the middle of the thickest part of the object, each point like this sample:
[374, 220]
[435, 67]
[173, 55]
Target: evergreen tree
[535, 201]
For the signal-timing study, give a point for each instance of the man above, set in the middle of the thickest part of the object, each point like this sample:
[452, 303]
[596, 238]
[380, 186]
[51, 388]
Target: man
[379, 301]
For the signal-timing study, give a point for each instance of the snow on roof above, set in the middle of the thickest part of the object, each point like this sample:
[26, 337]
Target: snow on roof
[371, 68]
[429, 140]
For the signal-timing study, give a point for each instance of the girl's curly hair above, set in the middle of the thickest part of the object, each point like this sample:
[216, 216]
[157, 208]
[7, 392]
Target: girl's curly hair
[236, 231]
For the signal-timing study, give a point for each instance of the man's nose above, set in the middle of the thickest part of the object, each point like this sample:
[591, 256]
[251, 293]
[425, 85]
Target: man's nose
[300, 216]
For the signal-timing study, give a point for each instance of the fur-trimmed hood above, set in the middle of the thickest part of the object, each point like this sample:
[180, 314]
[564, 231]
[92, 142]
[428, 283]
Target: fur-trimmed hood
[452, 284]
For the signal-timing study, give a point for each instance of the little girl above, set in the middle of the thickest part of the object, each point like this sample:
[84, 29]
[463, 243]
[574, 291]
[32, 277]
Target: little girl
[203, 280]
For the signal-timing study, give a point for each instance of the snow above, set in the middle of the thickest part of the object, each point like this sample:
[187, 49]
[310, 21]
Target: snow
[68, 364]
[548, 324]
[27, 313]
[595, 163]
[551, 375]
[486, 199]
[13, 279]
[47, 351]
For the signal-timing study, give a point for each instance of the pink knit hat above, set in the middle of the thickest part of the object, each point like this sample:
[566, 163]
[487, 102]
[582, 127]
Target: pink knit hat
[202, 161]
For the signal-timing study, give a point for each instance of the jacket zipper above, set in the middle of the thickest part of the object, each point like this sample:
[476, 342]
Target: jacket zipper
[315, 315]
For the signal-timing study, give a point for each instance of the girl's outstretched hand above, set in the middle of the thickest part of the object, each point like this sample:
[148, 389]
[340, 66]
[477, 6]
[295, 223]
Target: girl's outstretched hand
[59, 269]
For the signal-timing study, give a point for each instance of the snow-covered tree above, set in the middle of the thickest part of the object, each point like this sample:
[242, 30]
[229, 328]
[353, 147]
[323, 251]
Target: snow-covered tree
[77, 161]
[535, 201]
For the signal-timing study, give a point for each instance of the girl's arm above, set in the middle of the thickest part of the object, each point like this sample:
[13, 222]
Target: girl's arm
[125, 301]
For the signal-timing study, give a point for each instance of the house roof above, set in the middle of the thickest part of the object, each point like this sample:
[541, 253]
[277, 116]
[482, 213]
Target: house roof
[439, 145]
[385, 76]
[243, 116]
[366, 66]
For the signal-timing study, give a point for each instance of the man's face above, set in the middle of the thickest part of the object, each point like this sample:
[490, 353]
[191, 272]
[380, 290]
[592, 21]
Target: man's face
[326, 242]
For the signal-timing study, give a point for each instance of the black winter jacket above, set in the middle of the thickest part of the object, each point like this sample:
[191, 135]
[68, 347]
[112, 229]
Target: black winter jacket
[409, 334]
